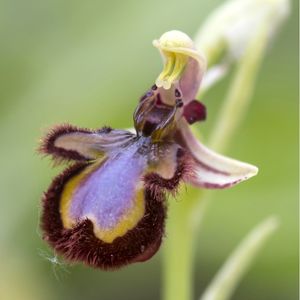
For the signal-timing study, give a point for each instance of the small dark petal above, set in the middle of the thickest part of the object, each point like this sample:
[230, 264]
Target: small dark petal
[194, 111]
[79, 244]
[154, 87]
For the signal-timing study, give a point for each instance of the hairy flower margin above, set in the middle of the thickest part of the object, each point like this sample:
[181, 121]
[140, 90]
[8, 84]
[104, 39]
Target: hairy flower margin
[108, 208]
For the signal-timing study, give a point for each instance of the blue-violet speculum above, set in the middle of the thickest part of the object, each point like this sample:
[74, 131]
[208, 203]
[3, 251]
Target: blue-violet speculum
[108, 208]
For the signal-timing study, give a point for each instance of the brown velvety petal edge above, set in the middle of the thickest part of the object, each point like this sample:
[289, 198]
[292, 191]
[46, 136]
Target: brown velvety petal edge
[155, 183]
[79, 244]
[47, 143]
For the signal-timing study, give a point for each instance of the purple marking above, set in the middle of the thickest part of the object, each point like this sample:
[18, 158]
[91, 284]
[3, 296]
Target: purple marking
[109, 191]
[211, 169]
[147, 95]
[209, 185]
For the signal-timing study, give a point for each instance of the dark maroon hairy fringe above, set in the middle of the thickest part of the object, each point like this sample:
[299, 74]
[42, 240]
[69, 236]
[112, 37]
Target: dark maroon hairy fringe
[47, 144]
[80, 243]
[156, 184]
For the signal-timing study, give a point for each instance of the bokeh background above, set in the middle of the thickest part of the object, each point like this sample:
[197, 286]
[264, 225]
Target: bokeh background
[87, 62]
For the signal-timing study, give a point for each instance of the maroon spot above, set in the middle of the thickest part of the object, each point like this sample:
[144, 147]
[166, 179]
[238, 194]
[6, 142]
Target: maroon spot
[194, 111]
[177, 93]
[158, 100]
[179, 103]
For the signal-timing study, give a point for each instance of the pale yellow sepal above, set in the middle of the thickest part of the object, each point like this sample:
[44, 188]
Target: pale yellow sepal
[176, 48]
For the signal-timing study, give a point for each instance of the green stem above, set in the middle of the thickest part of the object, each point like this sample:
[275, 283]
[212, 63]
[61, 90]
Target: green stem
[179, 251]
[228, 277]
[241, 89]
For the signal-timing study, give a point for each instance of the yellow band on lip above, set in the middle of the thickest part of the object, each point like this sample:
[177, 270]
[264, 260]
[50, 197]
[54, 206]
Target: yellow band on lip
[127, 222]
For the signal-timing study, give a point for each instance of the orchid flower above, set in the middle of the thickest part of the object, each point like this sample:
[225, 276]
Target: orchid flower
[108, 208]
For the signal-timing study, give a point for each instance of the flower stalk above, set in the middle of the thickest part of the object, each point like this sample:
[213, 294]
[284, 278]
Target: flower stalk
[179, 251]
[240, 92]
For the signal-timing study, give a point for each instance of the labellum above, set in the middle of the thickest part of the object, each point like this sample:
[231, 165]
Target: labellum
[108, 209]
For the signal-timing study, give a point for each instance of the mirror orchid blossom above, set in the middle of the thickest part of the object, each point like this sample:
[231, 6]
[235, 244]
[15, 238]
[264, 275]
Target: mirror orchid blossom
[108, 208]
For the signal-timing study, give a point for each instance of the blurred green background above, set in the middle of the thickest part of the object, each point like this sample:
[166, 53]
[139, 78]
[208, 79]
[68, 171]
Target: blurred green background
[87, 62]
